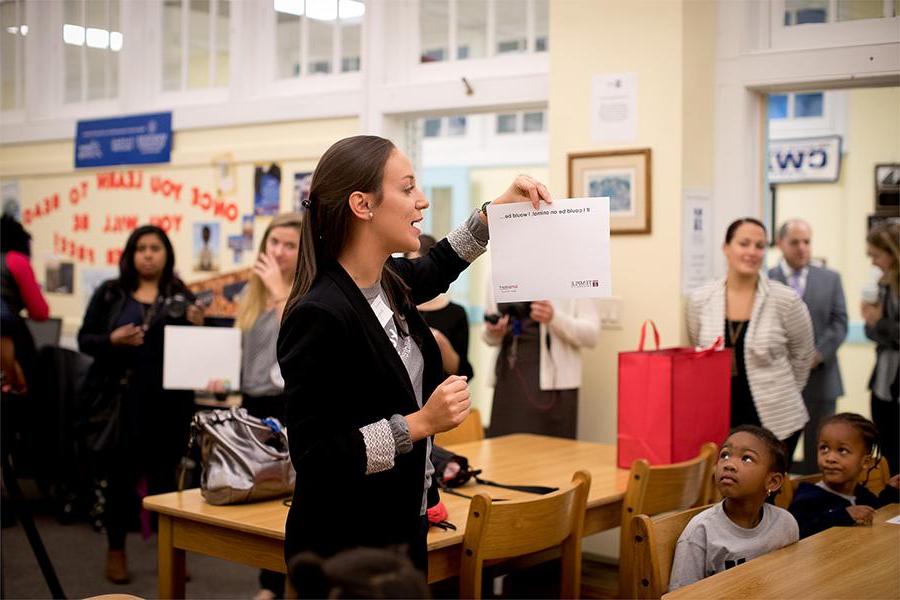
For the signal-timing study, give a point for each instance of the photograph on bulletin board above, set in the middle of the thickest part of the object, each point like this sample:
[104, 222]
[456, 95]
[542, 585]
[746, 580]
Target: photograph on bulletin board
[206, 246]
[236, 245]
[302, 183]
[266, 190]
[92, 278]
[222, 292]
[247, 232]
[60, 277]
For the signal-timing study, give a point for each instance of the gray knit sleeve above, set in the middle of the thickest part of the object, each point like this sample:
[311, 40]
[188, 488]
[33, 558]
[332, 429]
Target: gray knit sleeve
[400, 430]
[469, 240]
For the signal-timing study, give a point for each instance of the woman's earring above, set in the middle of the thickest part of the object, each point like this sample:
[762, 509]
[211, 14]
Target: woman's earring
[371, 214]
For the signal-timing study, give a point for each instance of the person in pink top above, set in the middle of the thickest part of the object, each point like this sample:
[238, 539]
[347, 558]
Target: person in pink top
[19, 291]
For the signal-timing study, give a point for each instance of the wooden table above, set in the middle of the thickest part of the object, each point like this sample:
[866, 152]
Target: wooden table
[841, 562]
[253, 534]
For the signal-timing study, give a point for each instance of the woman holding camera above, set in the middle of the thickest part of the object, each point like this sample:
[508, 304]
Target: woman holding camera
[363, 374]
[538, 370]
[138, 430]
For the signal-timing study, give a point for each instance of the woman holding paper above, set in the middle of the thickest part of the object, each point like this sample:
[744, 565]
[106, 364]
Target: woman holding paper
[538, 371]
[363, 375]
[137, 429]
[769, 330]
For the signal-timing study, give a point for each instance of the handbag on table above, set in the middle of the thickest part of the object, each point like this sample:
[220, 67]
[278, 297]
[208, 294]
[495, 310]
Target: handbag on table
[243, 458]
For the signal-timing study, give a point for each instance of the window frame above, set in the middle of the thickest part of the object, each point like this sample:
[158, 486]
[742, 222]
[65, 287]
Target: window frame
[832, 33]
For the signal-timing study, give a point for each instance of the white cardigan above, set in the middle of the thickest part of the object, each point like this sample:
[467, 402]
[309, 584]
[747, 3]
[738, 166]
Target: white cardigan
[574, 325]
[778, 348]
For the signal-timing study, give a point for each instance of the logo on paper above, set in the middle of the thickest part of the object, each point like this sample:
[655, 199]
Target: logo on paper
[507, 288]
[585, 283]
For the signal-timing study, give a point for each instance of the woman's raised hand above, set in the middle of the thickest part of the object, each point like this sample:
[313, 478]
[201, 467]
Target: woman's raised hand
[525, 189]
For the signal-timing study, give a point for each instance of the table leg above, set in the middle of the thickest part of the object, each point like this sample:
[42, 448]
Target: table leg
[170, 561]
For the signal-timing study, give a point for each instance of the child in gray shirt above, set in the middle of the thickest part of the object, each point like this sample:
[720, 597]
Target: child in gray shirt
[751, 466]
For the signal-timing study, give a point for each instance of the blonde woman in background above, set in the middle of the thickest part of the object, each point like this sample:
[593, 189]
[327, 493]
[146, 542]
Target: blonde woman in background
[883, 328]
[259, 313]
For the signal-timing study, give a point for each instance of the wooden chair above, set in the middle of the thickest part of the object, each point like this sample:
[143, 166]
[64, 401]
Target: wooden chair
[512, 529]
[653, 548]
[875, 480]
[654, 490]
[470, 430]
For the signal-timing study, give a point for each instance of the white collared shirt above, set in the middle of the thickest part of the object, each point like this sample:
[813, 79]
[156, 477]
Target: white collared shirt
[789, 272]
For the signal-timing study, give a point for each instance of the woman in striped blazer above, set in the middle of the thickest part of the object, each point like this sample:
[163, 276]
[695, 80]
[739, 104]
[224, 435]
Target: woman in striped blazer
[769, 330]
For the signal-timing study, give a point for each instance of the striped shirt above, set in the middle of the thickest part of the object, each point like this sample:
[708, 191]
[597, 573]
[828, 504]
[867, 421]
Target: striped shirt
[778, 348]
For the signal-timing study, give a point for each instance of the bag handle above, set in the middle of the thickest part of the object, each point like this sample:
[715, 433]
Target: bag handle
[717, 346]
[644, 335]
[235, 413]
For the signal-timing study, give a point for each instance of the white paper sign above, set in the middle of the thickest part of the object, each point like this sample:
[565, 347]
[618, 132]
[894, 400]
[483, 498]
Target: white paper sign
[614, 107]
[559, 251]
[805, 160]
[192, 356]
[697, 240]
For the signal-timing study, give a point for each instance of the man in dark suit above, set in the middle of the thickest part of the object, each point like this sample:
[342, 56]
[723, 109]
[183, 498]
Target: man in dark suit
[823, 294]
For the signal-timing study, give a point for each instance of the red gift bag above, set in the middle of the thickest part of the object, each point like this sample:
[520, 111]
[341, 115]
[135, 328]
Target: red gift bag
[672, 401]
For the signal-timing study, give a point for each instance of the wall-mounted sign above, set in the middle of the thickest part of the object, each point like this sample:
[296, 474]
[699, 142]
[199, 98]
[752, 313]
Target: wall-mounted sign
[138, 139]
[805, 160]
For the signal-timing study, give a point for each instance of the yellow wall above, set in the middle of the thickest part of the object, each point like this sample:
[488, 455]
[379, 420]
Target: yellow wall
[45, 169]
[837, 214]
[669, 45]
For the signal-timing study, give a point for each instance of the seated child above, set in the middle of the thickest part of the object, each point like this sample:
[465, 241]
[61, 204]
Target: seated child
[751, 466]
[846, 443]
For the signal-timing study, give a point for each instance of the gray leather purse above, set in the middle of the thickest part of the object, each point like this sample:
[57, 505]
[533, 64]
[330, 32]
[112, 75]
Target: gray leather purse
[243, 459]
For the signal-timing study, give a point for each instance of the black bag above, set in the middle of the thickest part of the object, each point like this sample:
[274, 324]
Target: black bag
[452, 470]
[103, 426]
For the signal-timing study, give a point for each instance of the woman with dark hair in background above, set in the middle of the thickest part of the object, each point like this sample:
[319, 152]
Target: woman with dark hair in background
[20, 291]
[363, 375]
[768, 328]
[448, 322]
[139, 429]
[882, 318]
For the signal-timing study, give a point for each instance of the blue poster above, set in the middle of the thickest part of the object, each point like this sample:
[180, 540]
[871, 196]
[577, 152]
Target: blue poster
[138, 139]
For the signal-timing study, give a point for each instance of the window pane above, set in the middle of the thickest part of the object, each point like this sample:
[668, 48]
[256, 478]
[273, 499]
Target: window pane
[456, 125]
[800, 12]
[171, 49]
[97, 41]
[533, 121]
[510, 19]
[850, 10]
[223, 21]
[287, 24]
[322, 15]
[432, 127]
[441, 200]
[778, 106]
[541, 26]
[198, 48]
[8, 42]
[808, 105]
[506, 123]
[351, 13]
[471, 33]
[73, 40]
[434, 30]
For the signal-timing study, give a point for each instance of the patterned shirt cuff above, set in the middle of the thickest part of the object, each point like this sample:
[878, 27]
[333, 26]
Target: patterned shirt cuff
[470, 239]
[400, 430]
[379, 446]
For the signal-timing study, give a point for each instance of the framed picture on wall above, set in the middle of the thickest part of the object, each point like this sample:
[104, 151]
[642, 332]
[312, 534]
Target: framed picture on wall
[623, 176]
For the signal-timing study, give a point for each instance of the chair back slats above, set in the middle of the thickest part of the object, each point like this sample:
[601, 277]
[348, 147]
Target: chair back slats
[654, 490]
[518, 528]
[653, 549]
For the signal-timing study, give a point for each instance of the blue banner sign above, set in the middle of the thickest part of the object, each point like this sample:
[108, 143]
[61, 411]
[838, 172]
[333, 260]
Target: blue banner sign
[138, 139]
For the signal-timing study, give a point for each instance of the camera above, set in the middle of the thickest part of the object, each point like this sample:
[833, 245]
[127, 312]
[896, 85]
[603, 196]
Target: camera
[515, 310]
[176, 306]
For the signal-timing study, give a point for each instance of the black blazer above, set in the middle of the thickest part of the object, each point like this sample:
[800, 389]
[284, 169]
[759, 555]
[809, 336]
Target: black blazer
[341, 373]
